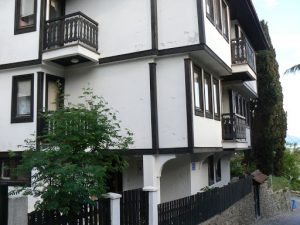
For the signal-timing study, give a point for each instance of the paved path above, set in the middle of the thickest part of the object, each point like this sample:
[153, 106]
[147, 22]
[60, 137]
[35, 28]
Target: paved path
[292, 218]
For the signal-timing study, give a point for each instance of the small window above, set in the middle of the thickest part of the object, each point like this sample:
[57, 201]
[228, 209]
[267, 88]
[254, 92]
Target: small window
[22, 99]
[211, 173]
[25, 16]
[198, 92]
[5, 170]
[218, 171]
[210, 10]
[225, 19]
[207, 95]
[54, 89]
[216, 99]
[218, 19]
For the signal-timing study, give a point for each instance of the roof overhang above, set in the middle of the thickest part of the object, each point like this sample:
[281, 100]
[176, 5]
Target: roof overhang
[244, 12]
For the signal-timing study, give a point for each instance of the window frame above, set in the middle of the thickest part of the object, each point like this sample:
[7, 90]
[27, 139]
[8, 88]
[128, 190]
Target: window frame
[208, 113]
[198, 111]
[31, 28]
[25, 118]
[53, 78]
[210, 14]
[217, 115]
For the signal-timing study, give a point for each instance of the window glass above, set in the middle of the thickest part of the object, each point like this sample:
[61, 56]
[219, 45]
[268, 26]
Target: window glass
[26, 17]
[218, 20]
[23, 97]
[216, 98]
[197, 90]
[208, 93]
[209, 9]
[5, 171]
[225, 19]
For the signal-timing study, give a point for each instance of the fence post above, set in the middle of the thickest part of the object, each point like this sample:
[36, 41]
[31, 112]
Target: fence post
[115, 217]
[153, 201]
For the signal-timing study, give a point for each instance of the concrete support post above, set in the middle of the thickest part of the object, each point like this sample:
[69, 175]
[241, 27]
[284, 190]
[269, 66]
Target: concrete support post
[114, 207]
[153, 202]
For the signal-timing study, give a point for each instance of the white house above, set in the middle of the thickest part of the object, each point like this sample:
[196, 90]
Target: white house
[181, 74]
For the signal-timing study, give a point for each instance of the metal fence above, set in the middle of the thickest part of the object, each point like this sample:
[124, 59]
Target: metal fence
[198, 208]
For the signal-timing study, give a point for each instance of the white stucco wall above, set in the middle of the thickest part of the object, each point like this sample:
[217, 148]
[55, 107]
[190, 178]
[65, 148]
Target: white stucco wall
[175, 179]
[124, 25]
[21, 47]
[171, 102]
[126, 87]
[215, 41]
[225, 100]
[133, 174]
[199, 177]
[177, 23]
[207, 132]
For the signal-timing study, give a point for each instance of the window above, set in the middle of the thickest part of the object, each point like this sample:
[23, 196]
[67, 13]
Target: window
[218, 19]
[218, 171]
[210, 10]
[5, 170]
[25, 16]
[216, 99]
[211, 172]
[207, 95]
[22, 99]
[198, 92]
[54, 87]
[225, 19]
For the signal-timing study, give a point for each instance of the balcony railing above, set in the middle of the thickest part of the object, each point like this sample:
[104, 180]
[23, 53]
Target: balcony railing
[233, 127]
[242, 53]
[75, 28]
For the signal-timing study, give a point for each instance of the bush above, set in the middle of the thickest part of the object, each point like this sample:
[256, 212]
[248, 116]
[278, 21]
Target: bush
[279, 183]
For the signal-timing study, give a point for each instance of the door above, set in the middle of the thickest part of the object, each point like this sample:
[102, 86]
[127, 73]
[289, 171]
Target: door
[3, 205]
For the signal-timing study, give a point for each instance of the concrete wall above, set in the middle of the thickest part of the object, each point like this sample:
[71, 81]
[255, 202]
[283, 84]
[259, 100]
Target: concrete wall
[171, 102]
[125, 86]
[177, 23]
[124, 25]
[21, 47]
[175, 179]
[17, 211]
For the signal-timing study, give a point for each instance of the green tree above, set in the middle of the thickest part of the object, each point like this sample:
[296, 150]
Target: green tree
[269, 123]
[77, 151]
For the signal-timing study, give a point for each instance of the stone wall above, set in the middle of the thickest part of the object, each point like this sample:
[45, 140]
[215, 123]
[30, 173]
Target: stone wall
[274, 203]
[241, 213]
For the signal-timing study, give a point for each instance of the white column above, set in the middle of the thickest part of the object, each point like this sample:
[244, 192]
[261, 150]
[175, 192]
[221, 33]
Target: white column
[153, 202]
[114, 207]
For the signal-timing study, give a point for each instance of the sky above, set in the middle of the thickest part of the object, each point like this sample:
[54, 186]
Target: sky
[283, 18]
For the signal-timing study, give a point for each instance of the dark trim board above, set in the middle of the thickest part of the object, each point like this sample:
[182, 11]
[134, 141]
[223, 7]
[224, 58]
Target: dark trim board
[153, 100]
[202, 36]
[39, 104]
[20, 64]
[189, 103]
[154, 29]
[3, 205]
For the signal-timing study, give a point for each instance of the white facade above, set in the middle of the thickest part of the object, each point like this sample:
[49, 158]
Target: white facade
[147, 54]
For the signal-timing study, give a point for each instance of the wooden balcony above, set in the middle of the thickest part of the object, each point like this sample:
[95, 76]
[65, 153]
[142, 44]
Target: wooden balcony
[71, 39]
[243, 60]
[233, 127]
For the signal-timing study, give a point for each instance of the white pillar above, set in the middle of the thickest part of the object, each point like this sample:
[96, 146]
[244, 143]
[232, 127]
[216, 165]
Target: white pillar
[153, 202]
[115, 216]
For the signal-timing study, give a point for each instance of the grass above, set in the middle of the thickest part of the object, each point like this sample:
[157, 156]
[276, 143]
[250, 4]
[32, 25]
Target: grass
[279, 183]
